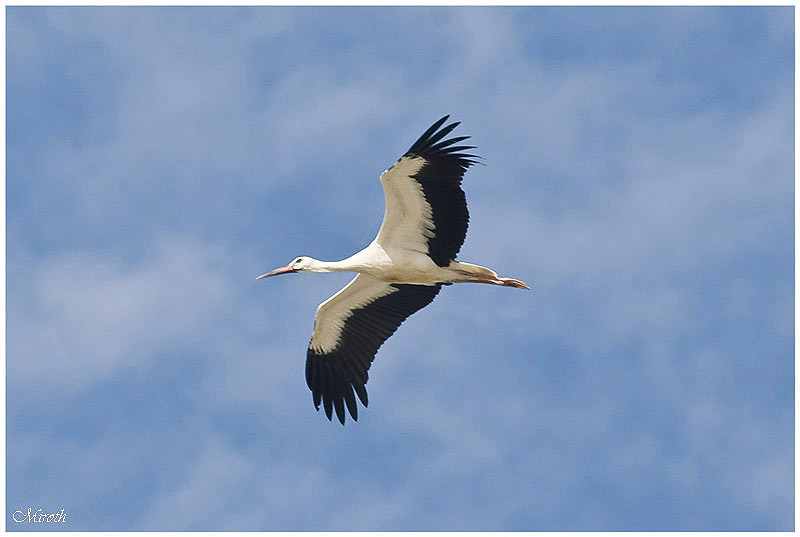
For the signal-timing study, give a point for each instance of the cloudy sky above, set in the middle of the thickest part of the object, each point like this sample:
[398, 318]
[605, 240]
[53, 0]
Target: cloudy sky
[639, 176]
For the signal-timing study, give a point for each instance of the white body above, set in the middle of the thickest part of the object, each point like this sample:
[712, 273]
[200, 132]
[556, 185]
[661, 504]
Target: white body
[399, 265]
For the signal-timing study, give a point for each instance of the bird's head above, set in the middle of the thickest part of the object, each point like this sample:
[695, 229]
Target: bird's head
[299, 264]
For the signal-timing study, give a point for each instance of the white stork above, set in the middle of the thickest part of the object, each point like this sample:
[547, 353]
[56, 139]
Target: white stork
[399, 273]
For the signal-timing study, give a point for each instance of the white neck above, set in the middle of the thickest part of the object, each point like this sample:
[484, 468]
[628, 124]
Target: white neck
[332, 266]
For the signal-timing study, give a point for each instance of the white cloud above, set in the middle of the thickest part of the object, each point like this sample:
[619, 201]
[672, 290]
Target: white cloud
[84, 317]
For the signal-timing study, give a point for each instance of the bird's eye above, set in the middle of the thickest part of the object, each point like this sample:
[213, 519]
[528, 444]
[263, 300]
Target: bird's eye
[296, 261]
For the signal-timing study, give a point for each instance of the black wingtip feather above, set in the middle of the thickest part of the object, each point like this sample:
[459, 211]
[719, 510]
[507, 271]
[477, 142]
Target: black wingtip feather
[442, 133]
[433, 148]
[338, 404]
[328, 404]
[350, 401]
[433, 128]
[361, 391]
[451, 141]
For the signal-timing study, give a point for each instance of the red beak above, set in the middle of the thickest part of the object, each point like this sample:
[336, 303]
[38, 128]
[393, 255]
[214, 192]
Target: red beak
[279, 270]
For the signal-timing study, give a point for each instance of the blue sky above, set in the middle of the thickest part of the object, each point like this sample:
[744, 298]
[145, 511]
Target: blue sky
[639, 176]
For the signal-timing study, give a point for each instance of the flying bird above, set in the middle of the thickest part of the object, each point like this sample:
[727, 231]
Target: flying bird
[399, 272]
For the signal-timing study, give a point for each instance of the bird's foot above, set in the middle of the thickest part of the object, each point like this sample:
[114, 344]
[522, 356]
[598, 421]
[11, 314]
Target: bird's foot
[511, 282]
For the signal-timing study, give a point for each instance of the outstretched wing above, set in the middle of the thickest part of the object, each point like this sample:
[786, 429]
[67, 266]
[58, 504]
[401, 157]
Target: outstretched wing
[349, 328]
[426, 210]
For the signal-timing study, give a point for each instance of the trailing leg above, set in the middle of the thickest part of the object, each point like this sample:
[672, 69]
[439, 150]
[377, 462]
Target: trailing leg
[467, 272]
